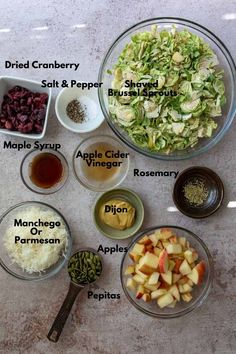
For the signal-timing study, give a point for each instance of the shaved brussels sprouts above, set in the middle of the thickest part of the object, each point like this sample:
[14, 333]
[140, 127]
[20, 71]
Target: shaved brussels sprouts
[173, 60]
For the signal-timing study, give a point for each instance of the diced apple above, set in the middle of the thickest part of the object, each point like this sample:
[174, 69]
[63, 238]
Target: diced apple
[137, 271]
[163, 262]
[188, 255]
[173, 239]
[149, 248]
[146, 297]
[134, 256]
[182, 241]
[190, 282]
[154, 239]
[174, 248]
[138, 279]
[185, 268]
[183, 280]
[197, 273]
[171, 265]
[153, 278]
[181, 289]
[129, 270]
[173, 304]
[165, 243]
[187, 297]
[175, 277]
[157, 293]
[157, 251]
[187, 288]
[140, 292]
[164, 285]
[165, 300]
[177, 265]
[131, 285]
[139, 249]
[148, 263]
[152, 287]
[160, 245]
[167, 277]
[145, 240]
[175, 292]
[165, 233]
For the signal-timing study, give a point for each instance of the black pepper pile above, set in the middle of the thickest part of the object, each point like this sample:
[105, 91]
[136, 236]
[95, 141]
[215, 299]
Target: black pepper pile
[75, 111]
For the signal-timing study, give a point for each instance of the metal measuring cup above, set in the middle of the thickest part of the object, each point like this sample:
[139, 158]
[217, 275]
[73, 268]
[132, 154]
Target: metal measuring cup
[73, 292]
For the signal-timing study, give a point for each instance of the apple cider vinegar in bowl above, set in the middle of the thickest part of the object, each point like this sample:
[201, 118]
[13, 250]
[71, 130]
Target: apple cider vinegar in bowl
[100, 163]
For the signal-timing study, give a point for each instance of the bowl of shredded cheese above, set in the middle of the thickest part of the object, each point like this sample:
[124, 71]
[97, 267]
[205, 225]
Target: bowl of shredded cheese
[35, 241]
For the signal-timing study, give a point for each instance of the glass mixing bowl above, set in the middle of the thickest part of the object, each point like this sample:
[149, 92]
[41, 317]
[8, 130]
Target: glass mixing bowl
[199, 293]
[225, 62]
[6, 221]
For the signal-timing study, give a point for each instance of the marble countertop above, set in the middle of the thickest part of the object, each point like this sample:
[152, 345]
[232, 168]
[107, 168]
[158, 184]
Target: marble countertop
[82, 31]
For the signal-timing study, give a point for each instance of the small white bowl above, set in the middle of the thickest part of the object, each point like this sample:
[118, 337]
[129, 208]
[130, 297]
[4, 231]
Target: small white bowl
[88, 98]
[8, 82]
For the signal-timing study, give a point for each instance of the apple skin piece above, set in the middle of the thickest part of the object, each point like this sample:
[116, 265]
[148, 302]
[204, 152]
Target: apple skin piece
[152, 287]
[174, 292]
[145, 240]
[167, 277]
[146, 297]
[129, 270]
[149, 248]
[163, 262]
[135, 257]
[176, 277]
[177, 265]
[148, 263]
[131, 285]
[165, 300]
[157, 293]
[197, 273]
[186, 297]
[185, 268]
[174, 248]
[153, 280]
[139, 249]
[140, 292]
[138, 279]
[153, 239]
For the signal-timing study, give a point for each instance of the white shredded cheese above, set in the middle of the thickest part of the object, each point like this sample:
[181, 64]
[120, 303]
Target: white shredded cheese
[36, 257]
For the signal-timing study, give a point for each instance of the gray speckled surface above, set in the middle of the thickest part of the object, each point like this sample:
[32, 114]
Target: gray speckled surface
[112, 326]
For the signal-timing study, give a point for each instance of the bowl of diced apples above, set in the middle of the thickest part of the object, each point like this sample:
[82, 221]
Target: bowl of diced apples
[167, 272]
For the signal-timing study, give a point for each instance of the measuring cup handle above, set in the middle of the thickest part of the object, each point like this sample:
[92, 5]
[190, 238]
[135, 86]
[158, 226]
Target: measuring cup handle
[60, 320]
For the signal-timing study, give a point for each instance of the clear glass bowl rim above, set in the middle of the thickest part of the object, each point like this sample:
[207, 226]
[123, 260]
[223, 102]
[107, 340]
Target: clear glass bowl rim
[68, 251]
[223, 49]
[201, 298]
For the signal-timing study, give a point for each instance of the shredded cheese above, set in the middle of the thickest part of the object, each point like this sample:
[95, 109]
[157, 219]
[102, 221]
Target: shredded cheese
[36, 257]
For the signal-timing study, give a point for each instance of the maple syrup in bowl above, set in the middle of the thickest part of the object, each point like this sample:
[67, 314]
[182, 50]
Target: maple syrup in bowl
[44, 172]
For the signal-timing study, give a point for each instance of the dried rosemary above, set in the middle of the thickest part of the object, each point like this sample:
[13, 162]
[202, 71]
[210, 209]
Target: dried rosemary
[195, 192]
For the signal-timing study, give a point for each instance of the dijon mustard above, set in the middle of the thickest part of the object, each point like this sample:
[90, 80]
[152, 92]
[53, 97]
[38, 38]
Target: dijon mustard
[118, 214]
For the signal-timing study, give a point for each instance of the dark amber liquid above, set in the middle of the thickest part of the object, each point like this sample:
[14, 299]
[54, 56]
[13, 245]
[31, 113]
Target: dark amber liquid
[46, 170]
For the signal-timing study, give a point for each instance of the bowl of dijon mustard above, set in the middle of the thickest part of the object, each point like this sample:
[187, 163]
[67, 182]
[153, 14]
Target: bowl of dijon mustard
[118, 213]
